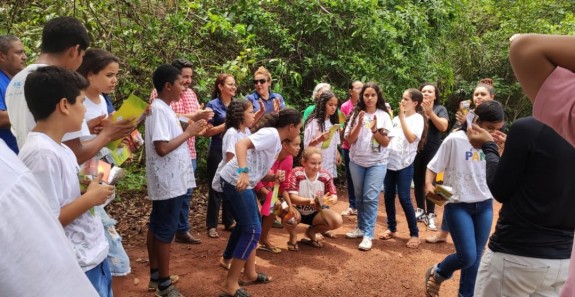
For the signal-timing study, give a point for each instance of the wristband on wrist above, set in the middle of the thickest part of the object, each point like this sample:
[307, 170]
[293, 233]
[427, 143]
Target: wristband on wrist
[243, 170]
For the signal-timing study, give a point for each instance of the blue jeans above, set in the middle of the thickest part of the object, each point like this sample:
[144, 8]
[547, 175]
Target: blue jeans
[350, 188]
[246, 234]
[117, 258]
[400, 180]
[367, 182]
[184, 223]
[469, 224]
[101, 279]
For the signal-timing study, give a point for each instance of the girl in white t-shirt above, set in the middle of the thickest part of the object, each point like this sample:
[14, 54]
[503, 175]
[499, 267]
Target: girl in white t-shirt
[305, 183]
[317, 131]
[100, 68]
[254, 157]
[408, 128]
[470, 211]
[367, 134]
[239, 120]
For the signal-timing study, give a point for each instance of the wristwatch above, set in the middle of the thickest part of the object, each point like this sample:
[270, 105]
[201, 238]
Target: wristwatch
[243, 170]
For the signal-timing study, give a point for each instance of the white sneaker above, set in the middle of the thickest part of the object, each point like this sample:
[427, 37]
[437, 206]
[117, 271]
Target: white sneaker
[418, 213]
[431, 222]
[355, 233]
[365, 244]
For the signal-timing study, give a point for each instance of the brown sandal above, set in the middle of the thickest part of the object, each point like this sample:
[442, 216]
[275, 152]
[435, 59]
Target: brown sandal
[292, 247]
[387, 235]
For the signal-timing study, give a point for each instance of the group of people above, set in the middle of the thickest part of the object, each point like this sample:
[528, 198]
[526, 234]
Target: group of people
[56, 118]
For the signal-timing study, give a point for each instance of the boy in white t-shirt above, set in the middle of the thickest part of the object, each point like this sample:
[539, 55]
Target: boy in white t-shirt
[54, 96]
[169, 173]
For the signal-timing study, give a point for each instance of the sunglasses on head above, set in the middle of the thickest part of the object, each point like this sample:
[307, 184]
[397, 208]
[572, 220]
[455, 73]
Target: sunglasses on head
[261, 81]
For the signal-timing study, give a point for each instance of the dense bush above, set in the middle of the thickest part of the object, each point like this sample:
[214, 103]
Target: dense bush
[397, 43]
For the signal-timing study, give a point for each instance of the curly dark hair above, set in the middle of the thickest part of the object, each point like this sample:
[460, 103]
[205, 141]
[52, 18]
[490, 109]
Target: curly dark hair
[360, 106]
[283, 118]
[318, 112]
[235, 113]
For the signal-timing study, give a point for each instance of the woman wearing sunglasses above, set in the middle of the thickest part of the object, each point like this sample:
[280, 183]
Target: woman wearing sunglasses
[271, 101]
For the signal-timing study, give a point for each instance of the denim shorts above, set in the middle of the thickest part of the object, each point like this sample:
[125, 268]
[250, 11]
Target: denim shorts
[165, 217]
[101, 279]
[117, 257]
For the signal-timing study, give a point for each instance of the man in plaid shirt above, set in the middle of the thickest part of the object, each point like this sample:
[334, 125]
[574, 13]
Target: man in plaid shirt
[189, 107]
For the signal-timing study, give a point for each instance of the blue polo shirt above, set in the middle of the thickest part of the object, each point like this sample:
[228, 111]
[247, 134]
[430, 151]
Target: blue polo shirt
[269, 103]
[5, 133]
[219, 118]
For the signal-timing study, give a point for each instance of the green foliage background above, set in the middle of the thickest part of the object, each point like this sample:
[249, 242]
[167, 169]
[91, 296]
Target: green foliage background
[398, 43]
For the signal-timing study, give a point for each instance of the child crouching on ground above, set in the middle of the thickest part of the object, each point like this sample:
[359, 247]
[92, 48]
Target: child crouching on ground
[305, 183]
[169, 173]
[54, 96]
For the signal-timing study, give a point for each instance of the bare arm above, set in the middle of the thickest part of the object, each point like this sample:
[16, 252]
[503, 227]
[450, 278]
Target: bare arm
[354, 133]
[439, 123]
[165, 147]
[4, 119]
[214, 130]
[410, 136]
[534, 56]
[429, 179]
[95, 195]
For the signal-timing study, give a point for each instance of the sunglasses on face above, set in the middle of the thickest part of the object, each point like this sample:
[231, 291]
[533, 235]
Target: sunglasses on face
[260, 81]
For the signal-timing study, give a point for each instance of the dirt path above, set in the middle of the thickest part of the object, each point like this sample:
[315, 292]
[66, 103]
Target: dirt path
[337, 269]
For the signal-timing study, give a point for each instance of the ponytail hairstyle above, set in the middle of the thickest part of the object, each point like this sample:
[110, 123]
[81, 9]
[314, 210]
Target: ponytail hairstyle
[318, 112]
[417, 96]
[235, 113]
[220, 80]
[488, 111]
[437, 101]
[283, 118]
[95, 60]
[360, 106]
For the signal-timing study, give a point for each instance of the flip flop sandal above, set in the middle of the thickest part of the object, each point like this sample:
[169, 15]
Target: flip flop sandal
[213, 233]
[262, 278]
[387, 235]
[329, 234]
[269, 248]
[241, 292]
[293, 247]
[413, 243]
[312, 243]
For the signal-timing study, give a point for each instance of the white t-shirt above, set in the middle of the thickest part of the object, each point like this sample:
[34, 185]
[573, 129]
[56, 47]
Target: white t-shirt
[267, 146]
[464, 167]
[329, 155]
[231, 137]
[35, 249]
[21, 119]
[172, 175]
[361, 152]
[94, 110]
[56, 170]
[401, 152]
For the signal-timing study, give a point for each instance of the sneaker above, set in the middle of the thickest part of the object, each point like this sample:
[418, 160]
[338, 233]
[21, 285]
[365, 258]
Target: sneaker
[365, 244]
[432, 282]
[431, 222]
[153, 285]
[171, 291]
[419, 213]
[355, 233]
[349, 212]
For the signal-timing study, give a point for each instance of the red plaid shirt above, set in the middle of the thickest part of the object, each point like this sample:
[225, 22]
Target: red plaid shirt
[188, 103]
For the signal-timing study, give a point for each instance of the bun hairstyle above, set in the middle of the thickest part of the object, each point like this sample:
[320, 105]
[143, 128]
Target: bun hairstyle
[488, 84]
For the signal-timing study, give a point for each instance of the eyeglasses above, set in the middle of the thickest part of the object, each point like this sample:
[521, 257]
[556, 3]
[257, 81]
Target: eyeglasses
[260, 81]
